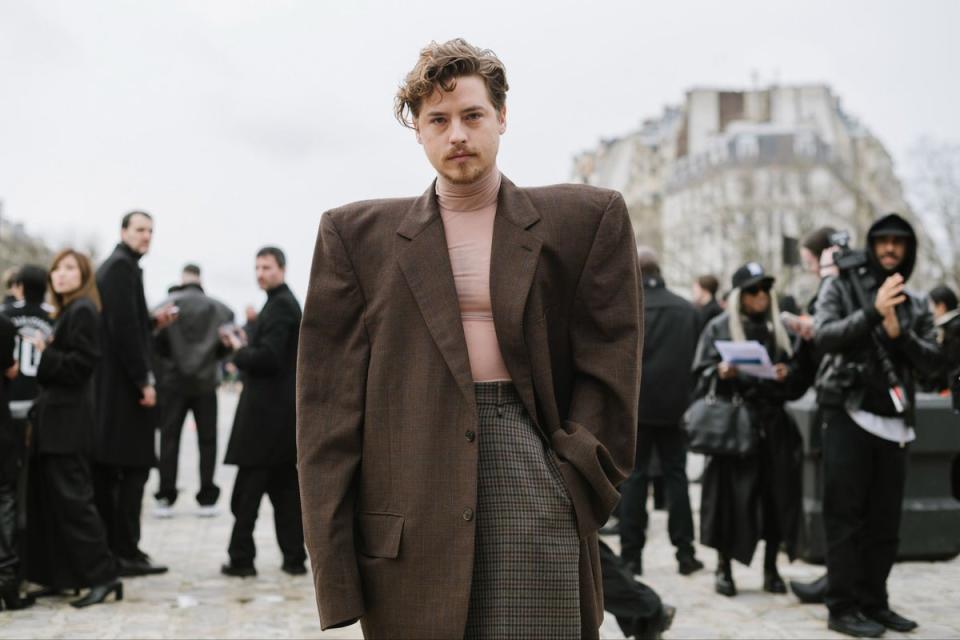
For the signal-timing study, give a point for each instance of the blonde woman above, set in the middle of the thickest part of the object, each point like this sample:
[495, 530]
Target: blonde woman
[757, 496]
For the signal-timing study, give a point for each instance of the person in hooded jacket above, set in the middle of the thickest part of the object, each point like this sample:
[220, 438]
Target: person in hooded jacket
[868, 422]
[758, 495]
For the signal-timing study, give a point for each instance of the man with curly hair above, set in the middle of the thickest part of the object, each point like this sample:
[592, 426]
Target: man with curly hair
[468, 381]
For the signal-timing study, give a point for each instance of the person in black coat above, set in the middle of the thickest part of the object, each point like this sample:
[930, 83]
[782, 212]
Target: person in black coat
[9, 555]
[263, 441]
[67, 545]
[759, 495]
[671, 332]
[946, 319]
[705, 300]
[126, 394]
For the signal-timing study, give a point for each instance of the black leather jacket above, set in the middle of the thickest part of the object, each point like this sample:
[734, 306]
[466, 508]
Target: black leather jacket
[850, 374]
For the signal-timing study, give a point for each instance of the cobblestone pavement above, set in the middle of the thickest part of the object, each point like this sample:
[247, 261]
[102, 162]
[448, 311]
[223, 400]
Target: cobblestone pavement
[194, 600]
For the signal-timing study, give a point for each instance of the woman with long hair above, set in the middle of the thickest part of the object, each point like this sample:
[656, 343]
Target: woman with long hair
[67, 544]
[758, 495]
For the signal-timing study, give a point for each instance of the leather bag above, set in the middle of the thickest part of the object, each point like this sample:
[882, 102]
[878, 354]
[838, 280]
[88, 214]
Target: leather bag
[717, 426]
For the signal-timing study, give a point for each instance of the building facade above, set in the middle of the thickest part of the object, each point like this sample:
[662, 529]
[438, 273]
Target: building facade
[732, 176]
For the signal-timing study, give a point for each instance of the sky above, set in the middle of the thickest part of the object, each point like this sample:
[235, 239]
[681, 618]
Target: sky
[237, 123]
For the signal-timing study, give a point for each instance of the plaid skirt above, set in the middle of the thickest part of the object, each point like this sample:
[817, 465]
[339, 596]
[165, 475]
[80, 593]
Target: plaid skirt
[526, 581]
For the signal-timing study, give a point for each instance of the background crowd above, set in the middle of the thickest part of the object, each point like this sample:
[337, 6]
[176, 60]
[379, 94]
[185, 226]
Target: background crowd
[91, 374]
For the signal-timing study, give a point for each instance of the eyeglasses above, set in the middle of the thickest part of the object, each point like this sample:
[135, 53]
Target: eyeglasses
[757, 288]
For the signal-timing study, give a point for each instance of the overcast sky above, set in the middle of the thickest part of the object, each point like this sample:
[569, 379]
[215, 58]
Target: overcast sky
[238, 123]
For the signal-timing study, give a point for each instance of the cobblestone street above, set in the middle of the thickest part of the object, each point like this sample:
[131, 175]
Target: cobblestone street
[194, 600]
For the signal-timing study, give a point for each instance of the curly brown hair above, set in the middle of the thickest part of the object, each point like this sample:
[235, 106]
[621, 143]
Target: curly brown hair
[440, 65]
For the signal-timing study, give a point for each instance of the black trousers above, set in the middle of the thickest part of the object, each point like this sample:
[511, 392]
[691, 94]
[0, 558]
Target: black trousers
[173, 412]
[864, 477]
[9, 553]
[67, 543]
[119, 496]
[670, 443]
[280, 484]
[637, 608]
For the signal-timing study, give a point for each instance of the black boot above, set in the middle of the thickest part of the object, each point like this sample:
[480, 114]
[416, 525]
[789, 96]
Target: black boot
[723, 583]
[98, 593]
[810, 592]
[772, 582]
[891, 620]
[11, 600]
[855, 624]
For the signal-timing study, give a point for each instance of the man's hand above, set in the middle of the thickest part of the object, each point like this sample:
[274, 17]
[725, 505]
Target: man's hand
[12, 371]
[149, 398]
[889, 296]
[780, 372]
[165, 316]
[800, 325]
[233, 339]
[39, 344]
[726, 371]
[828, 266]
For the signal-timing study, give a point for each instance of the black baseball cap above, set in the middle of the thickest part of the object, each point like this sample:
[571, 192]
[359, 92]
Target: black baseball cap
[751, 274]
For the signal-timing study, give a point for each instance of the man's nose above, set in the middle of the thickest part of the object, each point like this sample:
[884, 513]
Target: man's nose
[458, 133]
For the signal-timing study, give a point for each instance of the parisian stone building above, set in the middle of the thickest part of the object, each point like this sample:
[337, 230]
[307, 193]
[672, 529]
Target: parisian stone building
[737, 175]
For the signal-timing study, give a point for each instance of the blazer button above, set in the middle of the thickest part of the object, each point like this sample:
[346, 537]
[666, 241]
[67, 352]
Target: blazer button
[468, 514]
[471, 436]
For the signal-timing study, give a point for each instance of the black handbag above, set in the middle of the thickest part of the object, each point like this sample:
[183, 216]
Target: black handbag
[717, 426]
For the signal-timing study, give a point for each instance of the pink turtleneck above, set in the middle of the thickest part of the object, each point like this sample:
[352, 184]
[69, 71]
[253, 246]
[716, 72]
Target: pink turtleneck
[468, 211]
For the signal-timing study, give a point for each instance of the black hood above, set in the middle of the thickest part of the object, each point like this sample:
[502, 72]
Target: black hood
[893, 224]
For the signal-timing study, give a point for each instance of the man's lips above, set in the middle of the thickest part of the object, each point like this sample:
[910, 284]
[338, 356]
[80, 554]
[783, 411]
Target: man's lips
[460, 156]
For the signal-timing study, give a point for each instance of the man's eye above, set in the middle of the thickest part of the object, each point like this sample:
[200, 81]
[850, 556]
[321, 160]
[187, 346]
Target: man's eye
[473, 116]
[437, 120]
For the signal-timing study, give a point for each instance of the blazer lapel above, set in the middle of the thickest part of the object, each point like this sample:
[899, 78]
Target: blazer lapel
[513, 263]
[425, 262]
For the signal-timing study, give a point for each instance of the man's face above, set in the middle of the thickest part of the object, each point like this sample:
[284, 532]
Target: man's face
[810, 261]
[890, 251]
[16, 290]
[460, 130]
[269, 273]
[138, 234]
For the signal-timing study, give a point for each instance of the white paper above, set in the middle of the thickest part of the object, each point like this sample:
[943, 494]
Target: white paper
[750, 357]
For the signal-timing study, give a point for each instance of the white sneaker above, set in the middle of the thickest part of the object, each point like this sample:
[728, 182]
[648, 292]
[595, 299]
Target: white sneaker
[163, 509]
[208, 511]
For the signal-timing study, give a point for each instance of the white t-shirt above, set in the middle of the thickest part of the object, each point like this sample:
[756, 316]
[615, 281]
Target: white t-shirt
[892, 429]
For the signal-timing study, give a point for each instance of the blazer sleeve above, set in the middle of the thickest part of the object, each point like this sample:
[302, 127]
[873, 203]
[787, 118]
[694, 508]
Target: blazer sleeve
[73, 366]
[123, 322]
[332, 365]
[598, 438]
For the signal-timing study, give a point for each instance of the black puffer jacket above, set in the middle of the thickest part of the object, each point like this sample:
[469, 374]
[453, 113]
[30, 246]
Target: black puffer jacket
[850, 374]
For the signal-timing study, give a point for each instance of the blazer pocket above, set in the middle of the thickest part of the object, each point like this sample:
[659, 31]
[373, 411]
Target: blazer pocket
[380, 534]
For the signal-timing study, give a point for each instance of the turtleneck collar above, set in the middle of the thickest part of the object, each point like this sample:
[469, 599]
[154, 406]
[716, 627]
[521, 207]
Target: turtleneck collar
[469, 197]
[130, 252]
[277, 289]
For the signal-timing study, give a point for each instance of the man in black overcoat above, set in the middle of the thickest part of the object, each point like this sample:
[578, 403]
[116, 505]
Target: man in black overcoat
[126, 395]
[263, 441]
[671, 326]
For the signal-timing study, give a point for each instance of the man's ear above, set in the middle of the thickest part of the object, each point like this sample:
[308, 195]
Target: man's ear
[416, 130]
[502, 117]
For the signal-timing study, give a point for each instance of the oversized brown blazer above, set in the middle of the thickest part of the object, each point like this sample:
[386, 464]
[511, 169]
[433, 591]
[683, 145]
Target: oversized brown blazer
[386, 413]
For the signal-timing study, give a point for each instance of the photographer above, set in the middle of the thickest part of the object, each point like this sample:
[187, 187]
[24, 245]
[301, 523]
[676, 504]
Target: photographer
[875, 335]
